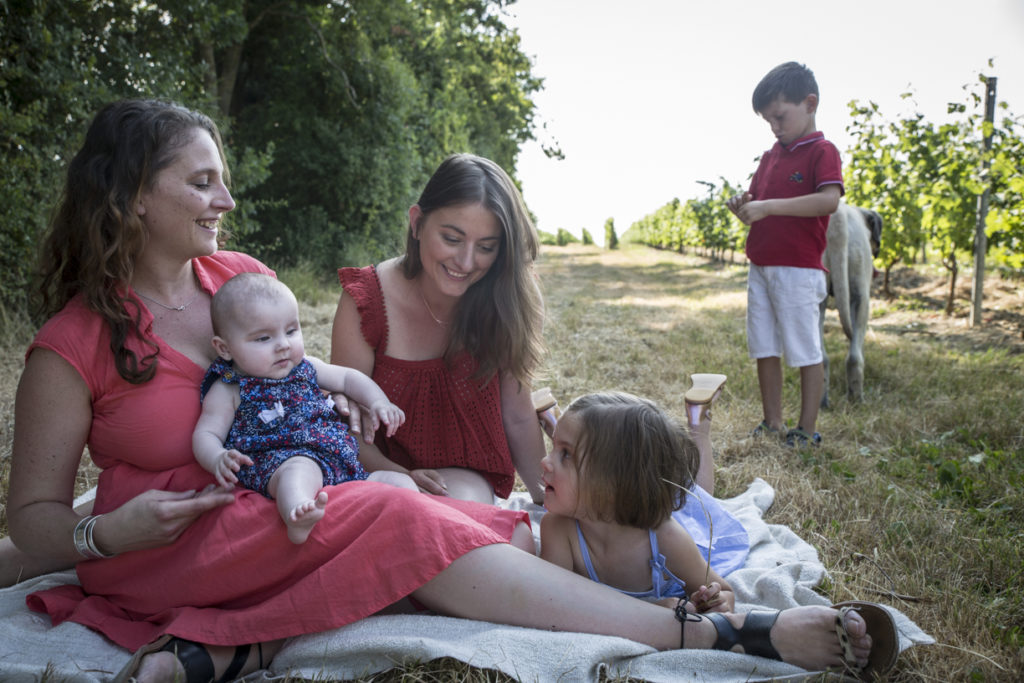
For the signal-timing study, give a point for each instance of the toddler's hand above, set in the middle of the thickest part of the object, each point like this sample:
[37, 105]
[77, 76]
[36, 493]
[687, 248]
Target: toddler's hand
[228, 463]
[710, 598]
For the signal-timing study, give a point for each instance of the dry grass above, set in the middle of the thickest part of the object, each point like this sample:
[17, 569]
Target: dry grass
[915, 499]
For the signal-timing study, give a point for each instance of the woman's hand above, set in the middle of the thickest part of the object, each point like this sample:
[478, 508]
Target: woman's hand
[360, 421]
[156, 518]
[429, 481]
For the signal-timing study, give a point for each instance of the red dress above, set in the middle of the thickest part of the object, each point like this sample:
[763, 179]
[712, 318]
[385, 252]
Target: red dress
[233, 576]
[450, 419]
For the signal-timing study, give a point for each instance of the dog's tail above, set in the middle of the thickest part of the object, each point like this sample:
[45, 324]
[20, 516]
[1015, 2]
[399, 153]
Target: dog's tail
[839, 226]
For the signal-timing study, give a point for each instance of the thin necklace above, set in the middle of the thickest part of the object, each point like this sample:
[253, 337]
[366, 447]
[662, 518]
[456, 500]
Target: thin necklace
[436, 319]
[179, 309]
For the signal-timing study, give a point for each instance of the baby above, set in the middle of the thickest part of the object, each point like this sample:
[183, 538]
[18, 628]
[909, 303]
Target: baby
[265, 421]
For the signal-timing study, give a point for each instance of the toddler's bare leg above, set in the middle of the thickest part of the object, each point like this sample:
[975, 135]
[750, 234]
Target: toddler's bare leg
[297, 487]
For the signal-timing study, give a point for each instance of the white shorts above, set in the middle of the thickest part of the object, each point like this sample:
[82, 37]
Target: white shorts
[782, 313]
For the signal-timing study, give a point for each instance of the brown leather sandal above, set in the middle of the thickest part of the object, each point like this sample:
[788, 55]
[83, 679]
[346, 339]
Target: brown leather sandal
[885, 638]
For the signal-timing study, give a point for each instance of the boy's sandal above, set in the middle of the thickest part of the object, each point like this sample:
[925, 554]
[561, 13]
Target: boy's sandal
[800, 437]
[764, 429]
[698, 398]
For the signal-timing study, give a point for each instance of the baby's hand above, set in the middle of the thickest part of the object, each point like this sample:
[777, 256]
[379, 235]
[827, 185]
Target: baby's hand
[710, 598]
[388, 414]
[228, 463]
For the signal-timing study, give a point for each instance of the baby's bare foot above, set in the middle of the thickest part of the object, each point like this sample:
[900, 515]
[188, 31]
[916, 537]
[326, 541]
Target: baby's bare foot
[304, 516]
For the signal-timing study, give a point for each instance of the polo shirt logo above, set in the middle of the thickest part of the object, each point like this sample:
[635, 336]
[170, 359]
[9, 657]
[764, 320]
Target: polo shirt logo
[797, 177]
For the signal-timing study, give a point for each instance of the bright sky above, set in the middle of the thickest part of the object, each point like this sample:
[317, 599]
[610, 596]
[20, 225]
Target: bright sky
[646, 97]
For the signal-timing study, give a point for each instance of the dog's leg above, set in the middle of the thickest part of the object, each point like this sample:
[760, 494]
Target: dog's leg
[861, 268]
[824, 354]
[859, 309]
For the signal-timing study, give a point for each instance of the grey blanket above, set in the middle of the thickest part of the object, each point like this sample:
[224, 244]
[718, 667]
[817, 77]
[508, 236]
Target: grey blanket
[781, 571]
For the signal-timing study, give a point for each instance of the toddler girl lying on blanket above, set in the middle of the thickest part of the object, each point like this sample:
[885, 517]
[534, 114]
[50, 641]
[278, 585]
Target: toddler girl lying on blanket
[614, 476]
[612, 481]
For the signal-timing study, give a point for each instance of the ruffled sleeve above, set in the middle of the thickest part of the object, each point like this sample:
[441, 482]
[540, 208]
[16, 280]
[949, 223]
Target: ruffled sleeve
[363, 285]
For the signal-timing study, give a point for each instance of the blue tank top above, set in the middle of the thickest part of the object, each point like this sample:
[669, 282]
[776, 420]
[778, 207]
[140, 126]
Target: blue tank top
[664, 584]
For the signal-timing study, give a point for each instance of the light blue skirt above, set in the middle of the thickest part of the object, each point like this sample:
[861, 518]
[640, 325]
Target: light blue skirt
[723, 538]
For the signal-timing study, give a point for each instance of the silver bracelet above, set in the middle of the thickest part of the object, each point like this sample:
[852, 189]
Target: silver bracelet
[85, 544]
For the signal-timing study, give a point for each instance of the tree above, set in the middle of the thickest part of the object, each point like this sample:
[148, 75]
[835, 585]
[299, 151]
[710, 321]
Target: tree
[611, 241]
[885, 160]
[59, 62]
[334, 113]
[564, 237]
[925, 178]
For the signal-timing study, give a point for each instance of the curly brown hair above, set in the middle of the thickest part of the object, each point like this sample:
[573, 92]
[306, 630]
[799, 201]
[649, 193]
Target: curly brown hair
[96, 235]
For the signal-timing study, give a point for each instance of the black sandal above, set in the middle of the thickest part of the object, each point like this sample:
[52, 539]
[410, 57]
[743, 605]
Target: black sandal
[198, 664]
[754, 636]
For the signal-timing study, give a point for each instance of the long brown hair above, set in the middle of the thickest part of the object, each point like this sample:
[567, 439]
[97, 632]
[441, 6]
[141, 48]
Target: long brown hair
[96, 235]
[499, 319]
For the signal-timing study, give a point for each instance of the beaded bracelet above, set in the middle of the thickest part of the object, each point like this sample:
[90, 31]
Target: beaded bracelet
[85, 544]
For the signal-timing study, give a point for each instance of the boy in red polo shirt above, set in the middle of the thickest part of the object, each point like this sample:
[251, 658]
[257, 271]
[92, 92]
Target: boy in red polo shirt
[796, 187]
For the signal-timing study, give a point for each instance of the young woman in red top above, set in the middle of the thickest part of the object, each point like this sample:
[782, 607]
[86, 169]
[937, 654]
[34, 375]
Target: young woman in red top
[451, 331]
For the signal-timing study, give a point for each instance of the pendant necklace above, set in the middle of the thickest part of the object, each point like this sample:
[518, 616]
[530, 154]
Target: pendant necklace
[436, 319]
[180, 308]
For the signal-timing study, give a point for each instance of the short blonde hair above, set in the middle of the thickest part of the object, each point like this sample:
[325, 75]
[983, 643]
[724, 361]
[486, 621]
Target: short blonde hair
[232, 301]
[631, 457]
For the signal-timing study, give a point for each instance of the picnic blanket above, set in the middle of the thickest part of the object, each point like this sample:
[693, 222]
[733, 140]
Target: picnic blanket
[781, 571]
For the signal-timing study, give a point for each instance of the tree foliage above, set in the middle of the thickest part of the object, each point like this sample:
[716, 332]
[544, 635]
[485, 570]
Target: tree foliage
[925, 179]
[564, 237]
[334, 112]
[705, 224]
[611, 240]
